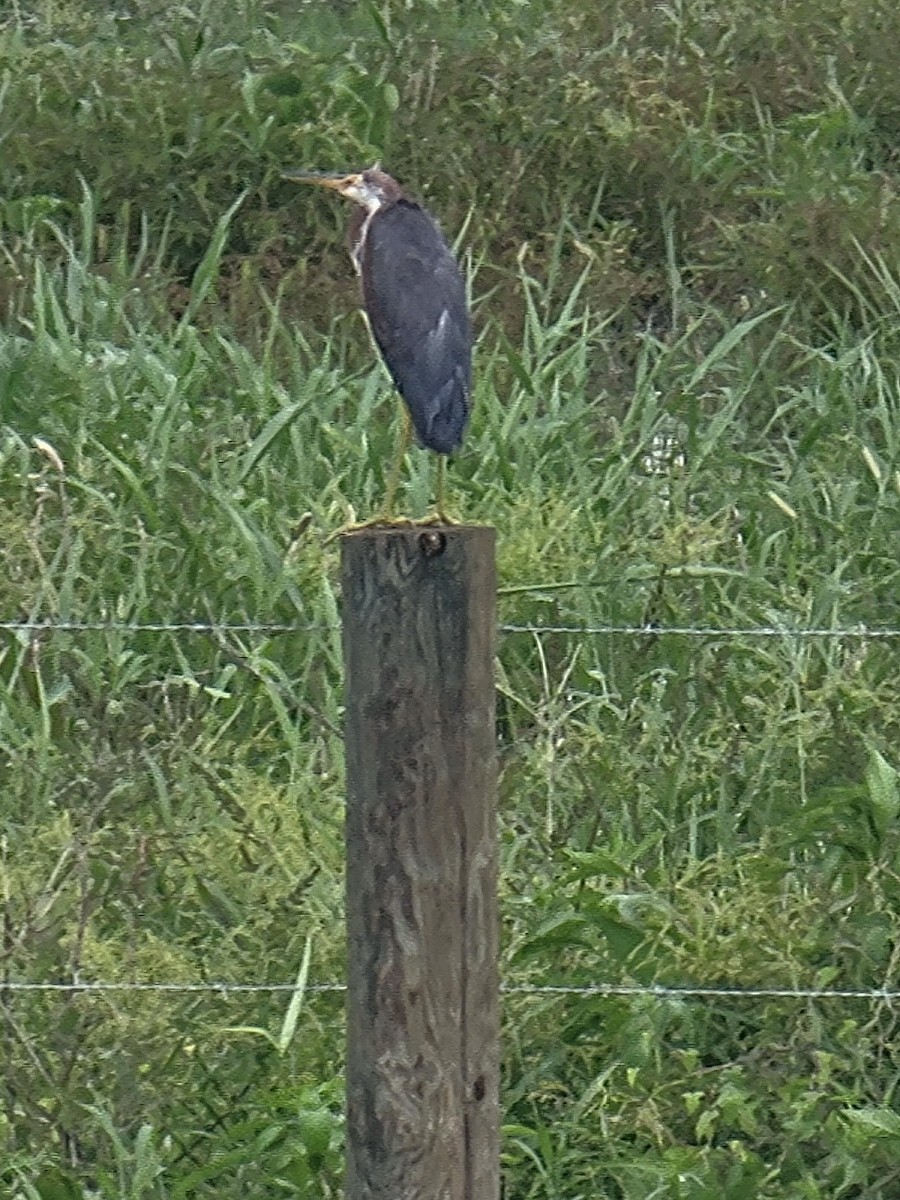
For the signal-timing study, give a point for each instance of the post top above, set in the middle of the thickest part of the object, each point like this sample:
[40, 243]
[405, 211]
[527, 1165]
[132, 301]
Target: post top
[394, 528]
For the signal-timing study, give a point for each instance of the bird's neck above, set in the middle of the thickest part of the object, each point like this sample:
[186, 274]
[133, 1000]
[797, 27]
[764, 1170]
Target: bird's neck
[358, 230]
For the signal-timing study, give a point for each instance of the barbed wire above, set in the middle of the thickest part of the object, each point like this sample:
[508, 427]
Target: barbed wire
[51, 626]
[862, 632]
[76, 986]
[707, 631]
[658, 991]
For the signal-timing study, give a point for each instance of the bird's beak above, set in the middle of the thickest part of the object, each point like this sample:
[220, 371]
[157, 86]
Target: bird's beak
[335, 180]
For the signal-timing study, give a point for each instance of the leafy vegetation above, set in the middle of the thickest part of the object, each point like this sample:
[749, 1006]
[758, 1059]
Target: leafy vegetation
[681, 228]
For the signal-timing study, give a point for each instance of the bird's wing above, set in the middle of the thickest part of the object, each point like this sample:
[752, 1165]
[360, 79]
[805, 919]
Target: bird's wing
[415, 298]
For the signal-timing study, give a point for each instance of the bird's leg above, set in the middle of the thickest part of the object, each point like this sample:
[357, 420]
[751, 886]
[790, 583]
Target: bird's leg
[403, 444]
[440, 516]
[386, 514]
[440, 478]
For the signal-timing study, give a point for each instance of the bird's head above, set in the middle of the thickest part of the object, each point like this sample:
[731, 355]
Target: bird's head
[372, 188]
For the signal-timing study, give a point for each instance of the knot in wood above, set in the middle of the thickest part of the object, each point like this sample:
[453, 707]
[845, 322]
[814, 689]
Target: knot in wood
[432, 543]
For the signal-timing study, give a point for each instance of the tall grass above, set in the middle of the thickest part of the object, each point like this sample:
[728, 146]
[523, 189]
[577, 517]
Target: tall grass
[681, 258]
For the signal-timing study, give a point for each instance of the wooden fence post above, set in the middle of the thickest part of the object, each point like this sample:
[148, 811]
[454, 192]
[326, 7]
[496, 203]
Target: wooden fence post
[422, 1006]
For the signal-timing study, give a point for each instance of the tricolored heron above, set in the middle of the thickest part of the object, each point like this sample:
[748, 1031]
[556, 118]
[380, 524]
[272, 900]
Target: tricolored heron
[415, 298]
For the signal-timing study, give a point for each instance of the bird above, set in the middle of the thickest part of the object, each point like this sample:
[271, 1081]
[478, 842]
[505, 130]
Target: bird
[414, 296]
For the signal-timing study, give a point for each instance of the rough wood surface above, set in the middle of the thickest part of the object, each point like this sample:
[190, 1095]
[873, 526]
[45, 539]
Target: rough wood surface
[422, 1020]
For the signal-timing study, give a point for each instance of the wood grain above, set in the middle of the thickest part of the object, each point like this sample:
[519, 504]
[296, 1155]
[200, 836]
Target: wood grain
[423, 1035]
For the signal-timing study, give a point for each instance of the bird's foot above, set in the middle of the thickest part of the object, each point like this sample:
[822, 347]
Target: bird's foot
[381, 521]
[438, 517]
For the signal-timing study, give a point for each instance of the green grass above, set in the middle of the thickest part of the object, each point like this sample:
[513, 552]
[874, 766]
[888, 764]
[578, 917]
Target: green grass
[680, 227]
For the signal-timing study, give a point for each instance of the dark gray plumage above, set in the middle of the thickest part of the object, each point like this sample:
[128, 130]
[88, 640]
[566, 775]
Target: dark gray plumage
[415, 298]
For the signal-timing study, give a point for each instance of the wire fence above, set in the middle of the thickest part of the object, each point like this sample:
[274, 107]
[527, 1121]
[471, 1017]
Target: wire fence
[651, 629]
[701, 991]
[657, 991]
